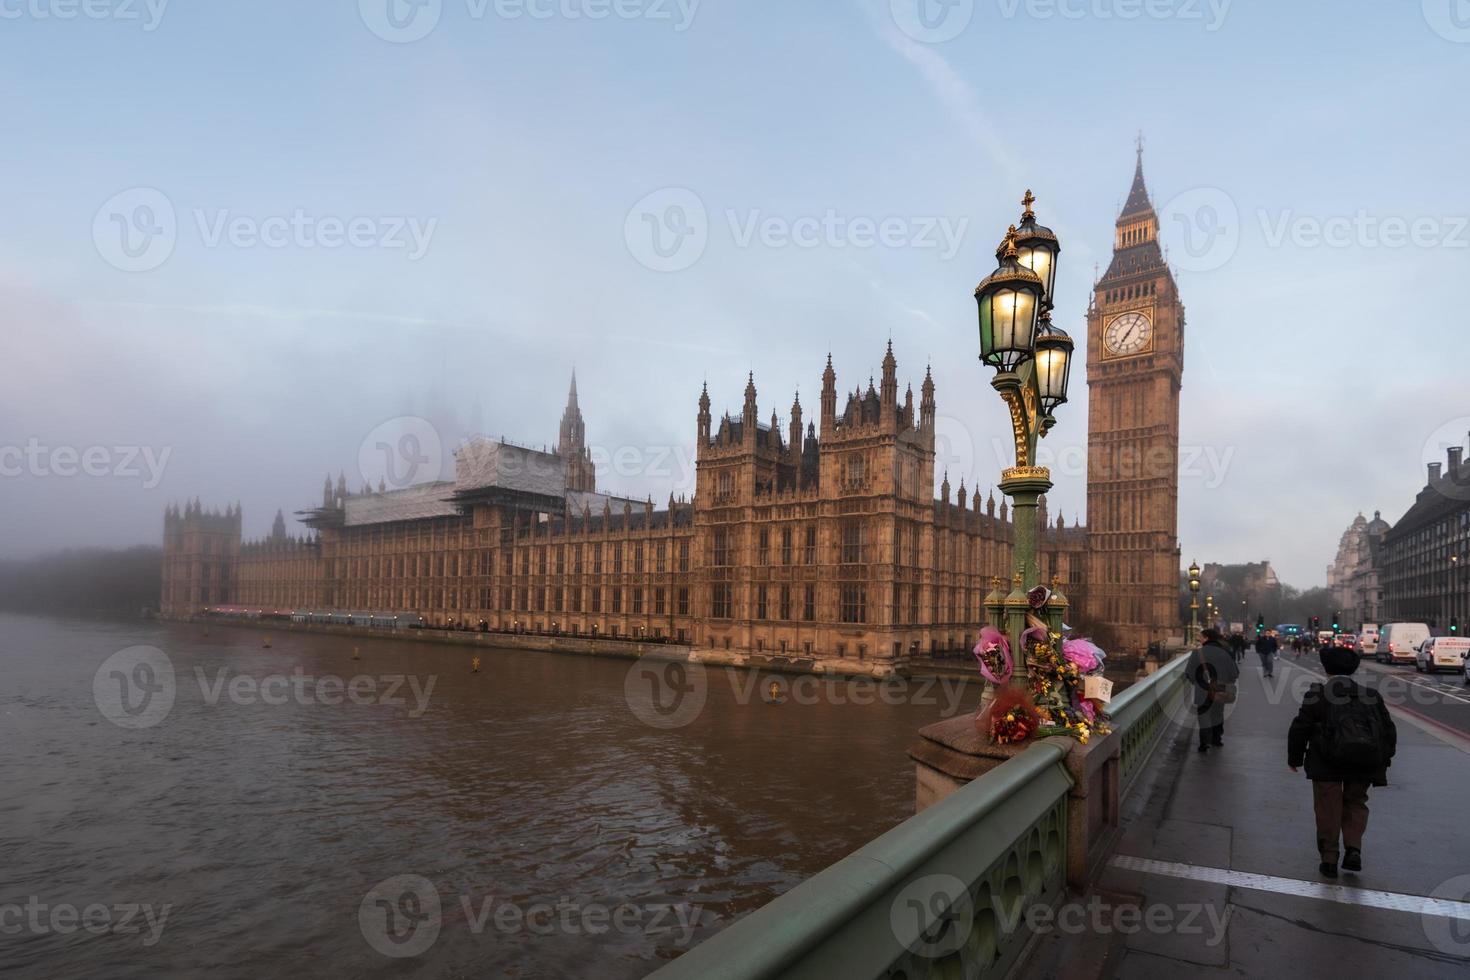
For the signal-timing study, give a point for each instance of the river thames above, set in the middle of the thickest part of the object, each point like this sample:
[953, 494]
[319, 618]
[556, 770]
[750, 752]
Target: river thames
[178, 802]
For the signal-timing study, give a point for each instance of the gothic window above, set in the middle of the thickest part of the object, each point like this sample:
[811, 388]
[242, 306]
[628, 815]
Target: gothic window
[659, 601]
[852, 541]
[638, 557]
[722, 546]
[760, 603]
[720, 600]
[763, 552]
[684, 556]
[785, 602]
[854, 603]
[811, 544]
[809, 604]
[786, 546]
[662, 556]
[683, 601]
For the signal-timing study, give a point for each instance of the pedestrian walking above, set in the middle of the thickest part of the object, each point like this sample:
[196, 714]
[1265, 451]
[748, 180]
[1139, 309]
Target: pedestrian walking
[1296, 646]
[1346, 738]
[1213, 672]
[1266, 647]
[1237, 646]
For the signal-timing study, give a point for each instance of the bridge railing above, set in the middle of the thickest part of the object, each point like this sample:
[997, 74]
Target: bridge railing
[945, 893]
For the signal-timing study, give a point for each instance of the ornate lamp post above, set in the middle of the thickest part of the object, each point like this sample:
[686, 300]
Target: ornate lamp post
[1033, 364]
[1193, 601]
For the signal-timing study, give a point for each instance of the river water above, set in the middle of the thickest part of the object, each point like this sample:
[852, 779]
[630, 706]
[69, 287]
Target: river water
[215, 806]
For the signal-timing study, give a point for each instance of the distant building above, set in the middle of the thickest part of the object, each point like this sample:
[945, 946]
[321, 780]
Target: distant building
[1426, 568]
[1355, 577]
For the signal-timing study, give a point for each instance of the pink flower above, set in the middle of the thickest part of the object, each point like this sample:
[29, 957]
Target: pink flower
[1084, 653]
[991, 640]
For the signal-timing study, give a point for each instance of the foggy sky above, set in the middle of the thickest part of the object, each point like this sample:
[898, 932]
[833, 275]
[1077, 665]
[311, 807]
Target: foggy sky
[1319, 374]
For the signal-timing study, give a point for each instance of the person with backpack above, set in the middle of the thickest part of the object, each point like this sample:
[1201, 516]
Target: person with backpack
[1346, 738]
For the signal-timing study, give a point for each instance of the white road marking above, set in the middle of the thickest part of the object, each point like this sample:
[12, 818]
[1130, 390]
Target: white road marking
[1342, 894]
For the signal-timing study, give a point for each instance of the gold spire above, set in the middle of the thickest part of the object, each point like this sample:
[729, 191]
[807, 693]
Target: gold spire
[1026, 203]
[1008, 247]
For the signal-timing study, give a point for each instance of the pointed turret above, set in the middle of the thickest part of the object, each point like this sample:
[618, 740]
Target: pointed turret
[889, 390]
[795, 444]
[829, 398]
[748, 416]
[278, 528]
[704, 419]
[926, 403]
[571, 444]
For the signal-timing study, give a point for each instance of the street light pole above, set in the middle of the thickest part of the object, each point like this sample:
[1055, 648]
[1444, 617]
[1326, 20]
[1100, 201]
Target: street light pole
[1193, 601]
[1032, 361]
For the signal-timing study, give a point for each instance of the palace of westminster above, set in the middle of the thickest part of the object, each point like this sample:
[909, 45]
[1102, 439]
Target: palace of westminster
[823, 542]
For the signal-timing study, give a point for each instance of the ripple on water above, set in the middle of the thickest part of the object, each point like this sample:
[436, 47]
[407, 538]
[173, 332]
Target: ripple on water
[264, 826]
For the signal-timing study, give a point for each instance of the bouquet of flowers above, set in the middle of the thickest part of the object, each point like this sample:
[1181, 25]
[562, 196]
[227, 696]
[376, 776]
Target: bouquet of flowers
[1066, 692]
[1013, 718]
[1059, 668]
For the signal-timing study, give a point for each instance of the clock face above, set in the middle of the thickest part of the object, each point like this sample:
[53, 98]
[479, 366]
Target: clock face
[1129, 333]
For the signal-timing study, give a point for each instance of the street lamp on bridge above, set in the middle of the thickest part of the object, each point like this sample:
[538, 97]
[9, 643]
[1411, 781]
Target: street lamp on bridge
[1193, 601]
[1032, 359]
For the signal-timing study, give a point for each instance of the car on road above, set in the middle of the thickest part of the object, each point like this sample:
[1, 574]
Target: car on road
[1399, 642]
[1348, 640]
[1368, 639]
[1442, 653]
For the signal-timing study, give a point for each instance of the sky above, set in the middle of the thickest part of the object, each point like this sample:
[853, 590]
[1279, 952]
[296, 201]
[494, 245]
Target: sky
[246, 245]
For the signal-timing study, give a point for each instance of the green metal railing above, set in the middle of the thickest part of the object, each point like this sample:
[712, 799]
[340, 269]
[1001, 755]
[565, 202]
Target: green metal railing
[1141, 713]
[943, 894]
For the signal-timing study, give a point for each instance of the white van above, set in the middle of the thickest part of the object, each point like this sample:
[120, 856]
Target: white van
[1399, 642]
[1368, 640]
[1441, 653]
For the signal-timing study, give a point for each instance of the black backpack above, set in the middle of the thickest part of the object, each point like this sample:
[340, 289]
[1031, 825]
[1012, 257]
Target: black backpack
[1352, 734]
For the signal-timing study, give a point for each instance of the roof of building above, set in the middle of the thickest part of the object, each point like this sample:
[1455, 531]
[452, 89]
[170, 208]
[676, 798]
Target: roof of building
[409, 504]
[1436, 502]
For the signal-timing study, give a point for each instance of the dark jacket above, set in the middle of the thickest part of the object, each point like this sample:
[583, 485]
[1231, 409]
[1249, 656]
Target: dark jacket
[1211, 664]
[1300, 743]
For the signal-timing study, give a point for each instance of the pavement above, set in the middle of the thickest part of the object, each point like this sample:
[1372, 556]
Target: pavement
[1215, 872]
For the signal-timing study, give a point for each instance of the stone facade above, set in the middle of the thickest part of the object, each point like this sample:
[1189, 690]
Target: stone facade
[1135, 367]
[813, 546]
[1426, 555]
[1354, 578]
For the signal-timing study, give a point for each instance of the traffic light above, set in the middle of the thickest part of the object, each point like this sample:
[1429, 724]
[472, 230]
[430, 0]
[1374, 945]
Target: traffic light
[1336, 621]
[1261, 624]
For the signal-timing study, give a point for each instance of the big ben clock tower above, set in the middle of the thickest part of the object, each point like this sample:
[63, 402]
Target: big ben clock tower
[1135, 365]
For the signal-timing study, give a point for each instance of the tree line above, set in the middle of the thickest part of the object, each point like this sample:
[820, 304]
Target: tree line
[85, 581]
